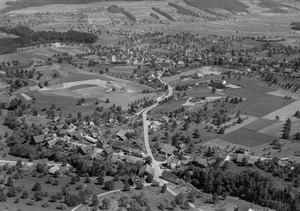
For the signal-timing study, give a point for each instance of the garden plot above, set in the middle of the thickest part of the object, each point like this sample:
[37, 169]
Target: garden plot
[283, 93]
[247, 138]
[26, 97]
[259, 124]
[284, 112]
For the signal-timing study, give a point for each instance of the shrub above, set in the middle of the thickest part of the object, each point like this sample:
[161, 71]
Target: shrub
[45, 205]
[55, 182]
[61, 207]
[30, 203]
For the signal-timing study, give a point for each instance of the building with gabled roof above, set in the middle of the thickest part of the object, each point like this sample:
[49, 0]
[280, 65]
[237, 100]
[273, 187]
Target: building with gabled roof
[146, 170]
[38, 139]
[167, 149]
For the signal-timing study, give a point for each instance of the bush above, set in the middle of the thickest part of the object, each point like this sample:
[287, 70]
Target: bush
[55, 182]
[30, 203]
[17, 200]
[61, 207]
[45, 205]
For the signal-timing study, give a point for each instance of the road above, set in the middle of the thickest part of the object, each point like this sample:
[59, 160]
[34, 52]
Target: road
[11, 163]
[155, 164]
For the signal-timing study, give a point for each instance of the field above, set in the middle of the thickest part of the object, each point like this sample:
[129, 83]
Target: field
[284, 112]
[27, 182]
[153, 194]
[258, 102]
[42, 53]
[247, 138]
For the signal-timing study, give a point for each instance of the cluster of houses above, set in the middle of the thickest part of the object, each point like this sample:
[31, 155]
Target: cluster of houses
[89, 141]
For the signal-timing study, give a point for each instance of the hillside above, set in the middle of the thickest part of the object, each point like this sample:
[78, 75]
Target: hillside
[20, 4]
[229, 5]
[274, 5]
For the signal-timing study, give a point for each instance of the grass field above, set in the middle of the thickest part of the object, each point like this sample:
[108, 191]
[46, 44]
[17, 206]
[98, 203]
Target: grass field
[284, 112]
[258, 103]
[27, 182]
[42, 53]
[247, 138]
[259, 124]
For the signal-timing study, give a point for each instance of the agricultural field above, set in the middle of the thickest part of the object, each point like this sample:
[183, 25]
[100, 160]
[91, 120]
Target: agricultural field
[41, 53]
[27, 181]
[247, 138]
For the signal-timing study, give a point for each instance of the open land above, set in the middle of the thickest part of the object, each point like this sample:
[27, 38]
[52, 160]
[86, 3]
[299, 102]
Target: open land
[71, 90]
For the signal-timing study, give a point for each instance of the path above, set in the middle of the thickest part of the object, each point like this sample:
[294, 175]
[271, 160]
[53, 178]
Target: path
[155, 164]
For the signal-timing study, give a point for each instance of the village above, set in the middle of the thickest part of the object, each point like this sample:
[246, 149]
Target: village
[152, 105]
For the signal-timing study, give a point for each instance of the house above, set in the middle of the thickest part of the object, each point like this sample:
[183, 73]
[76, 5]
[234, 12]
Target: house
[37, 62]
[168, 150]
[121, 135]
[77, 136]
[251, 160]
[90, 139]
[133, 179]
[166, 175]
[85, 149]
[173, 162]
[155, 183]
[95, 154]
[108, 151]
[240, 151]
[38, 139]
[132, 159]
[288, 70]
[245, 207]
[201, 162]
[53, 169]
[51, 143]
[146, 170]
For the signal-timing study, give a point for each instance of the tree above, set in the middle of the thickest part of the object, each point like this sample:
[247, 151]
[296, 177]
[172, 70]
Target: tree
[9, 182]
[179, 199]
[107, 100]
[24, 195]
[41, 168]
[173, 204]
[19, 164]
[38, 195]
[3, 197]
[87, 180]
[105, 204]
[163, 188]
[73, 180]
[37, 186]
[95, 201]
[135, 206]
[148, 160]
[186, 205]
[11, 192]
[215, 198]
[126, 186]
[196, 133]
[139, 185]
[100, 180]
[149, 178]
[109, 185]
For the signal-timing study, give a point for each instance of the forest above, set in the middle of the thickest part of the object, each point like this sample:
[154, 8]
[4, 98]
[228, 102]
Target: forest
[28, 37]
[249, 185]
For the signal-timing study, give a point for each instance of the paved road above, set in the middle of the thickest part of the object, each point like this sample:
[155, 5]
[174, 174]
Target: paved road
[11, 163]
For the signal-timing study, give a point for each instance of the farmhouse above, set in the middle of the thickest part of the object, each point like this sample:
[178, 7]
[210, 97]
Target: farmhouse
[121, 135]
[85, 149]
[38, 139]
[90, 139]
[167, 150]
[146, 170]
